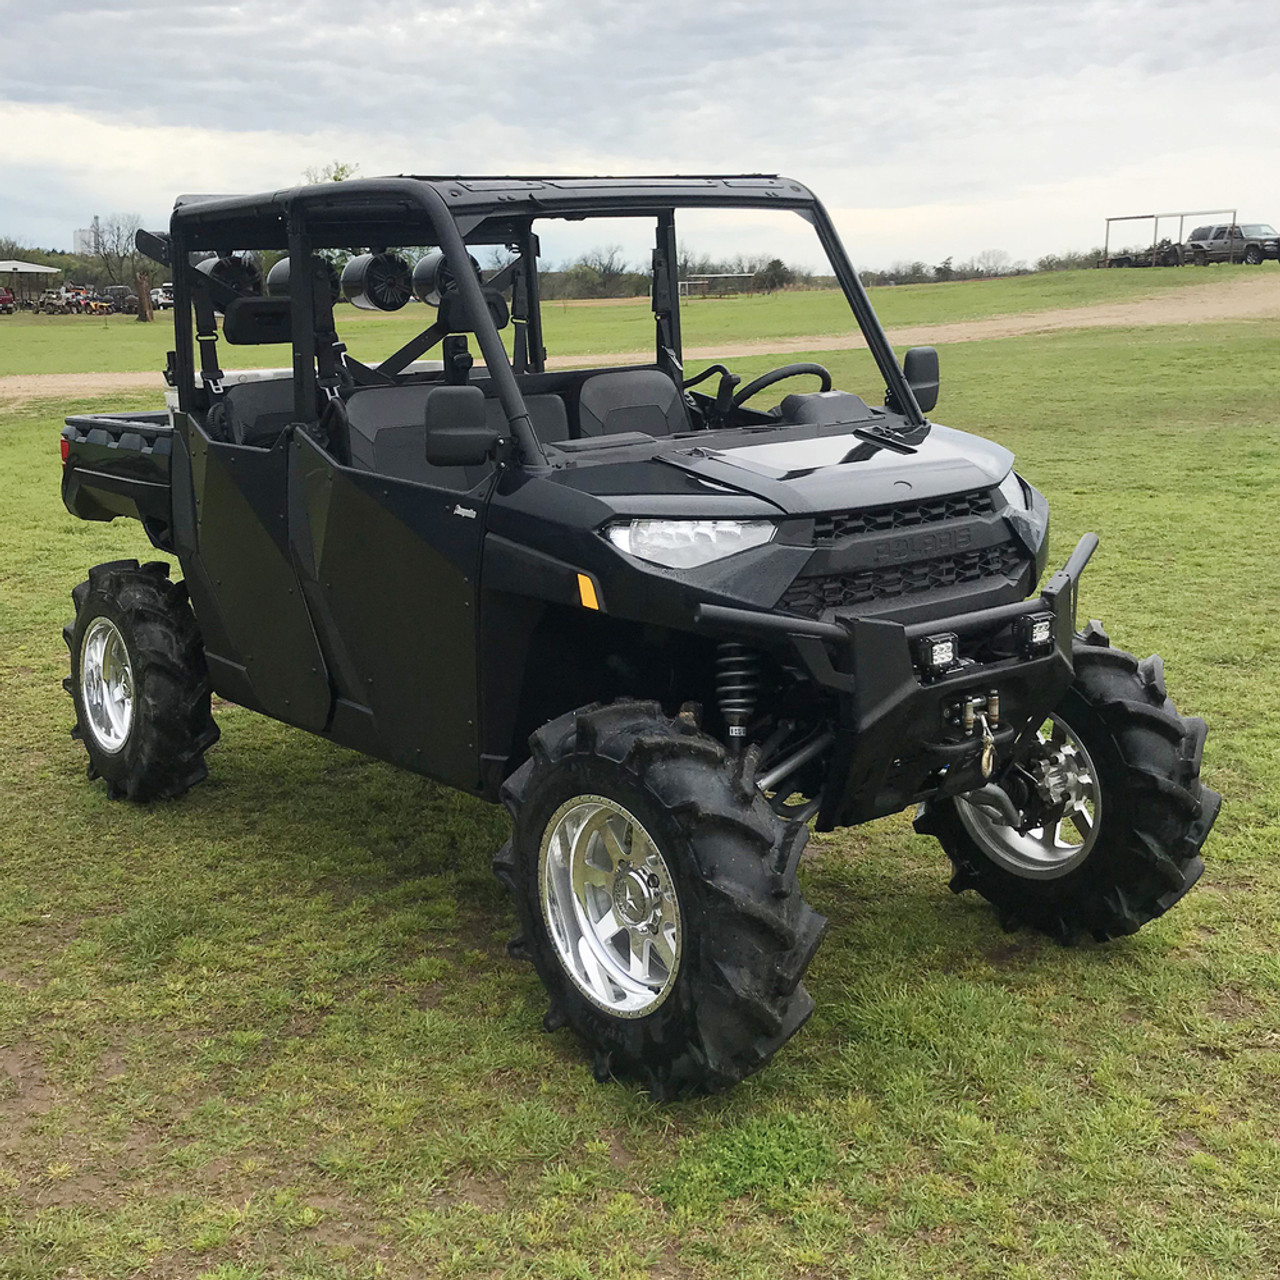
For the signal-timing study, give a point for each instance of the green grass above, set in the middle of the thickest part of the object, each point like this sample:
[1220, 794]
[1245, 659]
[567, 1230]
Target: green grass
[271, 1029]
[70, 344]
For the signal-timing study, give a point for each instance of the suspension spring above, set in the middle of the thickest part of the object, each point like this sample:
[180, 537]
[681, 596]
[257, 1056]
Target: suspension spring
[737, 688]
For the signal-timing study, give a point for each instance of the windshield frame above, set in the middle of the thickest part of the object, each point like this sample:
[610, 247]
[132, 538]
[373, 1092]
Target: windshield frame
[447, 212]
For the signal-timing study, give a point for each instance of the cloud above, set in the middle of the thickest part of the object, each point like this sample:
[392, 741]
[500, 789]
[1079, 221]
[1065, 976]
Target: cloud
[935, 128]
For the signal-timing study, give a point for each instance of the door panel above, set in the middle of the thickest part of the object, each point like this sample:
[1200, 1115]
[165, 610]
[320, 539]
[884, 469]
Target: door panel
[392, 569]
[261, 645]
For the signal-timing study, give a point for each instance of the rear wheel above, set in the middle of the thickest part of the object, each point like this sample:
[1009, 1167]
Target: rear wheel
[1113, 812]
[139, 681]
[658, 899]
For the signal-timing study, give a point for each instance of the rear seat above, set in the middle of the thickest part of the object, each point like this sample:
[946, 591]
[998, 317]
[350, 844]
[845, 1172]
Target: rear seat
[388, 432]
[254, 412]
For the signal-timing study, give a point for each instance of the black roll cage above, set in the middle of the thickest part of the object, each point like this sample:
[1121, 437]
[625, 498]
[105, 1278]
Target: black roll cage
[456, 211]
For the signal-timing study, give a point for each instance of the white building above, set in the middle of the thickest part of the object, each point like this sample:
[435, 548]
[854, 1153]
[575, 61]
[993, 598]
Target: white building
[87, 240]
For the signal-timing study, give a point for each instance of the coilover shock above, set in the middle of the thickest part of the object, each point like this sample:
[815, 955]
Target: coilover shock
[737, 687]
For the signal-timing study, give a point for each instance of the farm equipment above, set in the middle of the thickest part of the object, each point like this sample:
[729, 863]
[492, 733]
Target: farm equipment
[669, 629]
[8, 302]
[1164, 253]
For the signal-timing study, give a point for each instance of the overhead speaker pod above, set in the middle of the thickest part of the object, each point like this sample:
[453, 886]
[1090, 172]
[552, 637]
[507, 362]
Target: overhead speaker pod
[237, 271]
[433, 278]
[377, 282]
[278, 278]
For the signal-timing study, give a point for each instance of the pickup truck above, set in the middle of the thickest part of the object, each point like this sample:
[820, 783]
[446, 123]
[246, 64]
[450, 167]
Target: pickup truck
[1248, 242]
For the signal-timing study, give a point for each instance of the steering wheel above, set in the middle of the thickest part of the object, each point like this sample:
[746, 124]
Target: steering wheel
[777, 375]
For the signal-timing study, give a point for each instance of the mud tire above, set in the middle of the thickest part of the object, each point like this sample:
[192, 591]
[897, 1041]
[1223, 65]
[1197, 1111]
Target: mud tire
[748, 935]
[1156, 812]
[172, 727]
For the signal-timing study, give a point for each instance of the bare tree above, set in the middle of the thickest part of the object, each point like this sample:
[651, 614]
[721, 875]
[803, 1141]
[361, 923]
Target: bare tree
[334, 171]
[993, 262]
[115, 250]
[608, 263]
[499, 257]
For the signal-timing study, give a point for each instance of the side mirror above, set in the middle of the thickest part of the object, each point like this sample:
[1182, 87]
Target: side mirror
[920, 365]
[458, 430]
[154, 245]
[456, 316]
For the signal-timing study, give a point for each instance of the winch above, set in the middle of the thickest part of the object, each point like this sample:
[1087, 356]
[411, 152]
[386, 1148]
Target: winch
[978, 713]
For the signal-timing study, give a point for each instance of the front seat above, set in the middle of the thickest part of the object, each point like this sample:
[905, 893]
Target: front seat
[643, 400]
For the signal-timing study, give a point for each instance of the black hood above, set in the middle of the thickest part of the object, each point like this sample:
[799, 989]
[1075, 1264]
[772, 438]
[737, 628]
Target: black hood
[843, 471]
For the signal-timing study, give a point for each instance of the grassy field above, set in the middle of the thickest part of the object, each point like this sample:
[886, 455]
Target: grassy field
[71, 344]
[271, 1029]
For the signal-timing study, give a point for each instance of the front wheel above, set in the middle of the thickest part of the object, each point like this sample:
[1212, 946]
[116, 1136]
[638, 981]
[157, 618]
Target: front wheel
[657, 897]
[1112, 810]
[1253, 256]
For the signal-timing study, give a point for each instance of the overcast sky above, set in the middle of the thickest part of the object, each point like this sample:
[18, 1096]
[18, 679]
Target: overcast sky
[929, 127]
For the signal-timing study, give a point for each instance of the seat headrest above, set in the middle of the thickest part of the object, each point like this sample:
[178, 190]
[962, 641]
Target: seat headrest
[644, 400]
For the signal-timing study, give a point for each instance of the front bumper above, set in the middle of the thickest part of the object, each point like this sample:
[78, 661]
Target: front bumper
[896, 741]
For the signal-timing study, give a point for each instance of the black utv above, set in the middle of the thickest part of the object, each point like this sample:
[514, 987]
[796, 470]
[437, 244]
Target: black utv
[667, 627]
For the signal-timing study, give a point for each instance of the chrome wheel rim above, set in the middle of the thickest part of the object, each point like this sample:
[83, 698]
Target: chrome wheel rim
[1063, 773]
[610, 906]
[106, 685]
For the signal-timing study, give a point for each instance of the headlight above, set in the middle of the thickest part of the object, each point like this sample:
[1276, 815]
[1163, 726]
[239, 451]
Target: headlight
[687, 544]
[1014, 494]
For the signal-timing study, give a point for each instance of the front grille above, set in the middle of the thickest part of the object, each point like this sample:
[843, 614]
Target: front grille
[906, 515]
[836, 591]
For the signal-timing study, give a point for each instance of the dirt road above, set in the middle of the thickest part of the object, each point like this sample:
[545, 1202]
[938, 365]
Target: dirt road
[1253, 295]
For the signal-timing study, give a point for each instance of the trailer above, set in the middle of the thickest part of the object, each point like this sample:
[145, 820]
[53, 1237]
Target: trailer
[1163, 252]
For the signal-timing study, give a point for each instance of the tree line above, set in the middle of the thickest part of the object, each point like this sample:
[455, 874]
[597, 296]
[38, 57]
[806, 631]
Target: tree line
[602, 272]
[605, 273]
[986, 265]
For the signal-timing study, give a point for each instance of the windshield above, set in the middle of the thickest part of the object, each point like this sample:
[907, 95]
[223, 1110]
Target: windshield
[755, 290]
[746, 290]
[1255, 230]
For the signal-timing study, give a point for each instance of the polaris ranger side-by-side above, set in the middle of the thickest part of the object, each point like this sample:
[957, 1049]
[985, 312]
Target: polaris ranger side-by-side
[666, 626]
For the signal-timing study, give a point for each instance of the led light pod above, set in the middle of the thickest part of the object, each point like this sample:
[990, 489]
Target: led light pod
[1034, 633]
[938, 653]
